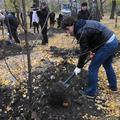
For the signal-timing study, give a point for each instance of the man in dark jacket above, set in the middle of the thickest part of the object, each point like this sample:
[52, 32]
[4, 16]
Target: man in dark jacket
[12, 25]
[30, 16]
[52, 19]
[83, 13]
[94, 37]
[59, 20]
[43, 15]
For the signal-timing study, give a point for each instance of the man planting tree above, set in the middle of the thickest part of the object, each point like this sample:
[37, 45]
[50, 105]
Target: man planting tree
[93, 37]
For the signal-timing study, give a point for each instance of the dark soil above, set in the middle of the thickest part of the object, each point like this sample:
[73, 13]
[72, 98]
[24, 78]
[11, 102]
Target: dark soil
[43, 79]
[14, 105]
[79, 106]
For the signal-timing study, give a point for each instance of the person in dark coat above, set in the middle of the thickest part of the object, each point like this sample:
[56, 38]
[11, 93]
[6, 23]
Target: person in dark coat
[30, 16]
[12, 25]
[2, 17]
[83, 13]
[95, 38]
[52, 19]
[43, 15]
[59, 20]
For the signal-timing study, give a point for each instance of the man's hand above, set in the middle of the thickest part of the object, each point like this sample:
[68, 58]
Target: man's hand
[77, 70]
[91, 55]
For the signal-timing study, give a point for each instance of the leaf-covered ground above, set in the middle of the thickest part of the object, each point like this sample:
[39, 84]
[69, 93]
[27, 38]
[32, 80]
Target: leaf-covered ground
[51, 63]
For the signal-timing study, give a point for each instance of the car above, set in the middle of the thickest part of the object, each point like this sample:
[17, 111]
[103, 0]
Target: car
[70, 9]
[65, 9]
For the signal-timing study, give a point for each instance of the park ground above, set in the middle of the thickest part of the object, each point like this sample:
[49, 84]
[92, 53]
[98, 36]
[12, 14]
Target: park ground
[51, 63]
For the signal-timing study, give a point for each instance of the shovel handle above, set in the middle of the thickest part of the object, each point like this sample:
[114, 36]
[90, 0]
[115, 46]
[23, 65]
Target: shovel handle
[73, 74]
[69, 78]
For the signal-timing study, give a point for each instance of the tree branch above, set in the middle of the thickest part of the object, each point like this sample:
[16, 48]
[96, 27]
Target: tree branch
[104, 1]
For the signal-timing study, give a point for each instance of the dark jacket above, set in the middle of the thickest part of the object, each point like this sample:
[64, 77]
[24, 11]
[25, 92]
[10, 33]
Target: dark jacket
[43, 15]
[11, 21]
[30, 15]
[52, 16]
[83, 14]
[91, 36]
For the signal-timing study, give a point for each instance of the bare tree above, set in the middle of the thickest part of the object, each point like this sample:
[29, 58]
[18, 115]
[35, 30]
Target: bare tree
[101, 7]
[113, 9]
[94, 10]
[29, 81]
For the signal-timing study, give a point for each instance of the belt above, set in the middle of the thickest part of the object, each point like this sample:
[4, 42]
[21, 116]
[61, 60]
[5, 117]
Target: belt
[111, 39]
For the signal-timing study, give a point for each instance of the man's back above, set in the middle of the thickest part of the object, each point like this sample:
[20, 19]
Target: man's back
[11, 21]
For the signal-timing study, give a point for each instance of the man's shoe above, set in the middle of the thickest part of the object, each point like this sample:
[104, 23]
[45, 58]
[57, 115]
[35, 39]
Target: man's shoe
[112, 88]
[18, 41]
[8, 43]
[43, 43]
[82, 93]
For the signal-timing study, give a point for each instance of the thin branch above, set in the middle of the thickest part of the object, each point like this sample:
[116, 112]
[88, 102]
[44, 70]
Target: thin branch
[103, 1]
[10, 70]
[29, 81]
[17, 10]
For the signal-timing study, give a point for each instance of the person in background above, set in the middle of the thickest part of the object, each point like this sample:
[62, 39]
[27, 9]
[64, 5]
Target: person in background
[83, 13]
[43, 15]
[12, 25]
[30, 16]
[35, 20]
[2, 17]
[96, 38]
[52, 19]
[59, 20]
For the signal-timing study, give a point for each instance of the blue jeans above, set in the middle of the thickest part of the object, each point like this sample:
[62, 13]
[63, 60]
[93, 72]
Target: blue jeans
[102, 57]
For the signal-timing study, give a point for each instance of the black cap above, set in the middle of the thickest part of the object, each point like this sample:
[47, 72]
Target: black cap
[84, 4]
[33, 6]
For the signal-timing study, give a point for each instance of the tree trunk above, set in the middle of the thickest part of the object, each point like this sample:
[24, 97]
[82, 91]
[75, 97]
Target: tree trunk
[17, 11]
[94, 10]
[101, 8]
[29, 81]
[90, 3]
[113, 9]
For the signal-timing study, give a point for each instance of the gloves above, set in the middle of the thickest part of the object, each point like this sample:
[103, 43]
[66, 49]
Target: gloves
[77, 70]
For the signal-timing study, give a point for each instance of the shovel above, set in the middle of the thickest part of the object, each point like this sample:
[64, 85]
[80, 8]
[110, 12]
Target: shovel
[58, 93]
